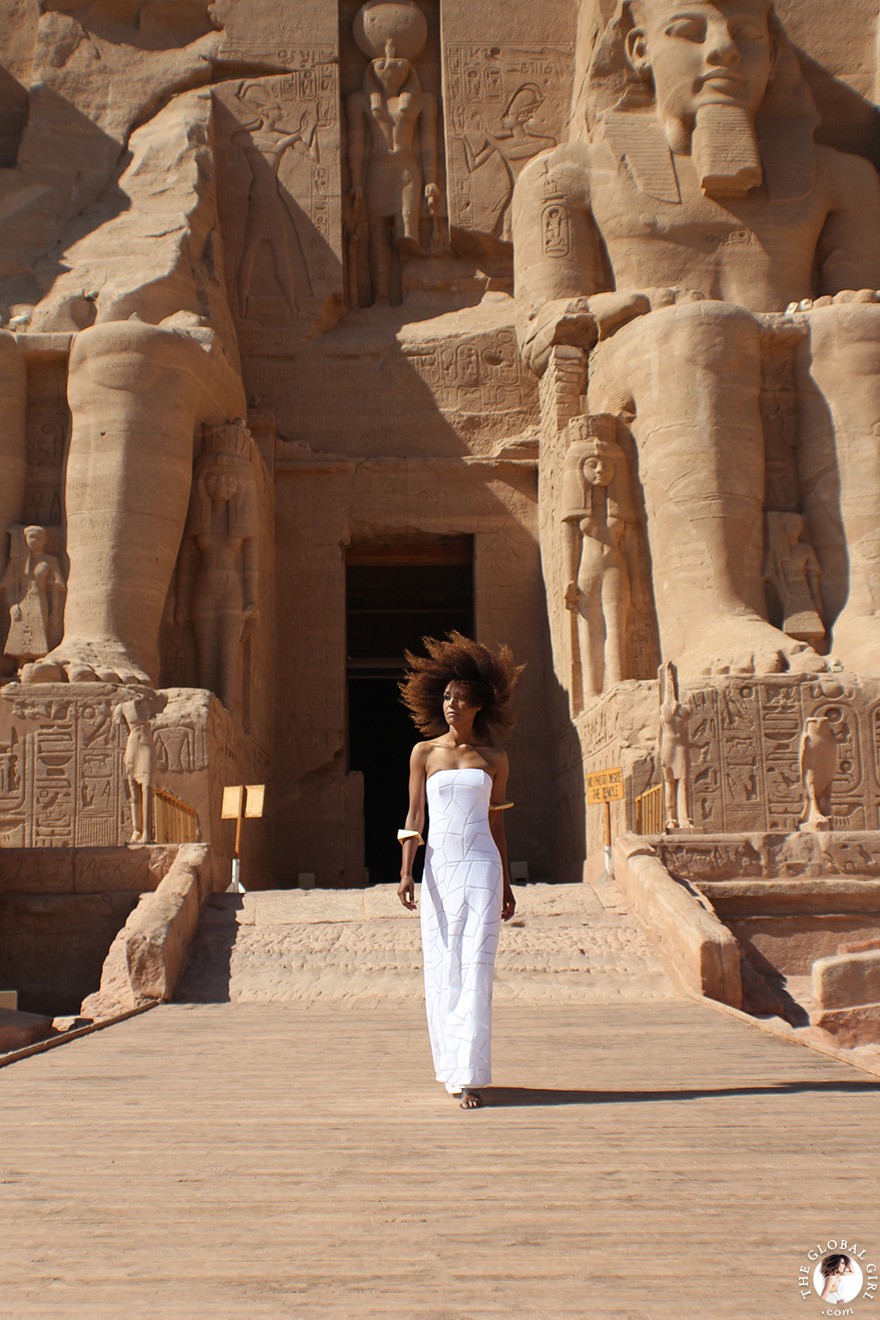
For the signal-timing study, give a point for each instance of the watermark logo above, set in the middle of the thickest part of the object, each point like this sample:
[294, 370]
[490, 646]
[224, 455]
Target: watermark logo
[840, 1276]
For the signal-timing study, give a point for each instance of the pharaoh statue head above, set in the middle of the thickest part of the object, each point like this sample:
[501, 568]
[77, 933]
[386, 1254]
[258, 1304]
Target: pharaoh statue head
[718, 77]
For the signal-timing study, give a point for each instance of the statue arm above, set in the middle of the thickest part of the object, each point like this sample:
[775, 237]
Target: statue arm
[251, 576]
[849, 246]
[186, 572]
[429, 143]
[554, 275]
[573, 543]
[354, 119]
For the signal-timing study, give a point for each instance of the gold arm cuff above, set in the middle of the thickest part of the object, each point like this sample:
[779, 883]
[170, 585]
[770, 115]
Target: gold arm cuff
[403, 835]
[501, 806]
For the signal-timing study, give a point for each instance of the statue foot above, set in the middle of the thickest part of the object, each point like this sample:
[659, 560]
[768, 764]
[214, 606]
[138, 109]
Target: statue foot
[855, 642]
[747, 644]
[78, 661]
[407, 246]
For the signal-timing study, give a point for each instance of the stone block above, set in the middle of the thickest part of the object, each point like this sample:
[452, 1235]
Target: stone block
[20, 1029]
[697, 951]
[847, 981]
[145, 959]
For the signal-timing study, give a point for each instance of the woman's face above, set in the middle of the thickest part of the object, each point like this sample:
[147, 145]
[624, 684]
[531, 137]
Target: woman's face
[459, 706]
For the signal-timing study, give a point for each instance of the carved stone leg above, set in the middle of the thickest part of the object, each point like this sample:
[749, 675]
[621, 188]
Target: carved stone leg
[380, 259]
[838, 373]
[134, 393]
[691, 375]
[13, 453]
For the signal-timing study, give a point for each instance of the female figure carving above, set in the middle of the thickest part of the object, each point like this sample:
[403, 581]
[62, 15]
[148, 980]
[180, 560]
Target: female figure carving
[597, 514]
[217, 579]
[35, 590]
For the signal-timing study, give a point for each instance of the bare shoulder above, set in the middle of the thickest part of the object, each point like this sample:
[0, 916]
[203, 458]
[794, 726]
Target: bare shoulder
[419, 754]
[496, 758]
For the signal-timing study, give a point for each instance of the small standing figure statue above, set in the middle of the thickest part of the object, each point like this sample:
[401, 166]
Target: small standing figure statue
[792, 572]
[139, 761]
[818, 762]
[391, 177]
[597, 518]
[35, 589]
[675, 748]
[218, 570]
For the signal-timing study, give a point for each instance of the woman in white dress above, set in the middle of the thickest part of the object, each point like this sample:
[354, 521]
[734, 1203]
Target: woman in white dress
[459, 697]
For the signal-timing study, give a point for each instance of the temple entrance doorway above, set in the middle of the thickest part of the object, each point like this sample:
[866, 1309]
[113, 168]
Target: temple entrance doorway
[396, 593]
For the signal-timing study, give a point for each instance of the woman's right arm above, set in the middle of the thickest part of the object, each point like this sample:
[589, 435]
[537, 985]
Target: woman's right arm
[415, 821]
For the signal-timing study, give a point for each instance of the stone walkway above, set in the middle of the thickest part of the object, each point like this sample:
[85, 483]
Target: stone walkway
[639, 1156]
[241, 1160]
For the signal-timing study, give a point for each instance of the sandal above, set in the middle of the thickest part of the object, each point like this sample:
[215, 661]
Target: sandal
[471, 1099]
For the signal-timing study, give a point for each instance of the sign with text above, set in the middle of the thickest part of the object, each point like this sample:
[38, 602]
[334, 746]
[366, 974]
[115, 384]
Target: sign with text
[604, 786]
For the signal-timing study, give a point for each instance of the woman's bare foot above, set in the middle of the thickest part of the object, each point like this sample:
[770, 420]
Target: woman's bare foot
[471, 1099]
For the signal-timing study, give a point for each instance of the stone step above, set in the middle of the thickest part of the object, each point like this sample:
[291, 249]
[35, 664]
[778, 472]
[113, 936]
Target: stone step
[570, 943]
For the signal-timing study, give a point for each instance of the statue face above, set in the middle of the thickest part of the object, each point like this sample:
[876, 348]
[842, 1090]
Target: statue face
[598, 470]
[700, 54]
[35, 538]
[391, 71]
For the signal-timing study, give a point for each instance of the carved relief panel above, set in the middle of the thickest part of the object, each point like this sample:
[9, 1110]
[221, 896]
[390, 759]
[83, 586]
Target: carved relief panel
[504, 102]
[279, 176]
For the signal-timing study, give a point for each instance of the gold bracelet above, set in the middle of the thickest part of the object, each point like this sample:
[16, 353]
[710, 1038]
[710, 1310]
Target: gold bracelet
[501, 806]
[403, 835]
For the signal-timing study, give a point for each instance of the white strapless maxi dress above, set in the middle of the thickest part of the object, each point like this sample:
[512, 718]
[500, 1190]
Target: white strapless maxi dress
[461, 922]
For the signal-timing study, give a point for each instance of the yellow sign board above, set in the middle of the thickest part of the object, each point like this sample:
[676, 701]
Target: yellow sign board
[233, 802]
[604, 786]
[243, 800]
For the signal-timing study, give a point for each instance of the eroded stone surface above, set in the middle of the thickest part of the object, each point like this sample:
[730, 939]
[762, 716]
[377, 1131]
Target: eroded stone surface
[563, 945]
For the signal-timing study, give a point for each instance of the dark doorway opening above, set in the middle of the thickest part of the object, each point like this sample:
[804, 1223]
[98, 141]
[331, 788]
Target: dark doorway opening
[395, 594]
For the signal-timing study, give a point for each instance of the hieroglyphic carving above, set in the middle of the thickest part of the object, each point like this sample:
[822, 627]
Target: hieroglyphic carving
[745, 737]
[504, 104]
[473, 376]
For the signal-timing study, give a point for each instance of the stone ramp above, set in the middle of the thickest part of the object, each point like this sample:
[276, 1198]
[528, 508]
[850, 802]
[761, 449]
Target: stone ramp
[239, 1161]
[567, 943]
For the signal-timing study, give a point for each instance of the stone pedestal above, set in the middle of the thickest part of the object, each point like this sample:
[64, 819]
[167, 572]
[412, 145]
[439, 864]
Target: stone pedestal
[745, 735]
[63, 782]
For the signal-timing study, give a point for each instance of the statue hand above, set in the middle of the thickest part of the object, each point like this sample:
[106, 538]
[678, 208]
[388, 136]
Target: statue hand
[572, 596]
[432, 197]
[672, 295]
[560, 321]
[356, 200]
[835, 300]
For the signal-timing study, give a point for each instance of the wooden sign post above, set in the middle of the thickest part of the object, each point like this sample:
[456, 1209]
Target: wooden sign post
[241, 802]
[605, 787]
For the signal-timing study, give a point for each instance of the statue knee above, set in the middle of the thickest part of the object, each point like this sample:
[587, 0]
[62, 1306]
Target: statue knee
[843, 327]
[705, 333]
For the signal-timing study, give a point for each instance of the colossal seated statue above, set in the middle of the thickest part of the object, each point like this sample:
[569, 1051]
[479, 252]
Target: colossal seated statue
[109, 231]
[697, 232]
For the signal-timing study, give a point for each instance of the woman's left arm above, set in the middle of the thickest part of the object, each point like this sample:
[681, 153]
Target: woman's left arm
[496, 825]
